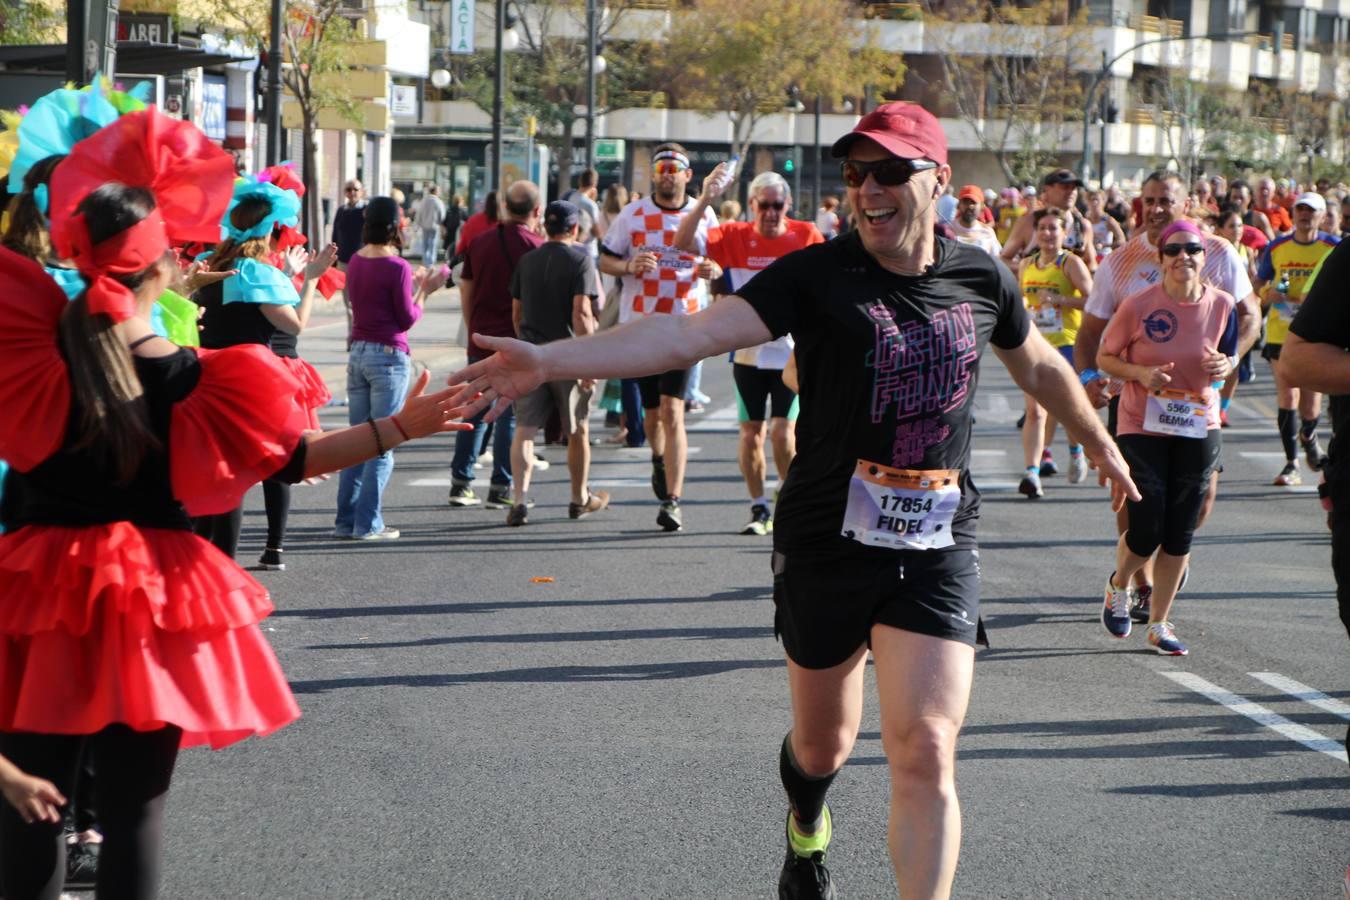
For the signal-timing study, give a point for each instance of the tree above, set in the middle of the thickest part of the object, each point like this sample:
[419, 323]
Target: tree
[546, 75]
[741, 57]
[1019, 97]
[29, 22]
[317, 39]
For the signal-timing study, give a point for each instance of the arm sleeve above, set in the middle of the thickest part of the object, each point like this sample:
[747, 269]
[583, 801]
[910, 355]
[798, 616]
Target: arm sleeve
[294, 470]
[707, 228]
[1013, 325]
[583, 281]
[406, 312]
[1324, 317]
[1229, 339]
[781, 294]
[467, 271]
[1101, 302]
[259, 282]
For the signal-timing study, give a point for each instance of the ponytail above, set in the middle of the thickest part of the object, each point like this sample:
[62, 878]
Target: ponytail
[27, 232]
[247, 213]
[113, 422]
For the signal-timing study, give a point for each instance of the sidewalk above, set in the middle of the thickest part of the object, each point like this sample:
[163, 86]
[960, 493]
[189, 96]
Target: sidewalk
[432, 340]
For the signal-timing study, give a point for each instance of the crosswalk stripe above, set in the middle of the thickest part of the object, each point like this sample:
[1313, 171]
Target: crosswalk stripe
[1260, 715]
[1302, 692]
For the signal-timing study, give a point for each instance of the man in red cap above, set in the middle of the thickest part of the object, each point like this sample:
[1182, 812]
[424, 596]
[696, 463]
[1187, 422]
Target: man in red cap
[874, 540]
[968, 227]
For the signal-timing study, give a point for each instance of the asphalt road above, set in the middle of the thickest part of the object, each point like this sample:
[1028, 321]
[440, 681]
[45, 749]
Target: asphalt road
[613, 732]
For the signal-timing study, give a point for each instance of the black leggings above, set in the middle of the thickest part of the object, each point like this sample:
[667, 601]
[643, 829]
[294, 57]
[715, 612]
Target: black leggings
[277, 499]
[221, 530]
[1172, 474]
[134, 770]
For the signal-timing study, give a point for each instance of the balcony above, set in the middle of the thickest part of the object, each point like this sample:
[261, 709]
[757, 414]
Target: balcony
[1174, 28]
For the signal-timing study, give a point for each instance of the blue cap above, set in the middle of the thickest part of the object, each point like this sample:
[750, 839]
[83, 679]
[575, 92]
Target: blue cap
[561, 217]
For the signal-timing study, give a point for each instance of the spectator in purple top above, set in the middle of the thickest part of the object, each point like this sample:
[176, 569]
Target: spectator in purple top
[387, 300]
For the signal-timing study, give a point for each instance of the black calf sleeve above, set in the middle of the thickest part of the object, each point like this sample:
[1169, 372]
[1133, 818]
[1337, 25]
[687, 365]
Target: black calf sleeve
[806, 793]
[277, 498]
[1288, 430]
[1309, 428]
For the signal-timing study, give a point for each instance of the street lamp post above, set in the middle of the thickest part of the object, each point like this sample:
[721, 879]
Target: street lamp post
[498, 90]
[815, 159]
[1104, 72]
[590, 85]
[274, 151]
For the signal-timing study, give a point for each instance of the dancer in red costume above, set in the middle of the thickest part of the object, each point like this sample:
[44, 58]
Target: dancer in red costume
[119, 628]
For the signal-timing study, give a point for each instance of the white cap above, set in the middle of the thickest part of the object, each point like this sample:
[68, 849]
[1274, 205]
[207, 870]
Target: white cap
[1028, 191]
[1312, 199]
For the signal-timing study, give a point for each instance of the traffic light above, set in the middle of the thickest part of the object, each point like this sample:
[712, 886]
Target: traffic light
[789, 165]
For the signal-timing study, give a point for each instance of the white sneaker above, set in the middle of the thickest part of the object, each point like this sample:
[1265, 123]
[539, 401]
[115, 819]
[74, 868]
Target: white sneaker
[541, 464]
[1078, 467]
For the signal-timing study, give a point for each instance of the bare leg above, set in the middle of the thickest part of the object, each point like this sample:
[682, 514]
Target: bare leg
[522, 461]
[783, 437]
[656, 432]
[826, 713]
[578, 461]
[676, 443]
[1033, 434]
[1128, 563]
[924, 686]
[1165, 588]
[753, 465]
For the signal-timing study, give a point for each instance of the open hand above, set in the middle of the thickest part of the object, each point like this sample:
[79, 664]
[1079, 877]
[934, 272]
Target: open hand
[425, 414]
[1113, 470]
[320, 262]
[35, 799]
[507, 375]
[199, 276]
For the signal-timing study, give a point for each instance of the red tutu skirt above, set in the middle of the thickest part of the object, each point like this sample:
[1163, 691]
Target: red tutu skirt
[142, 626]
[313, 394]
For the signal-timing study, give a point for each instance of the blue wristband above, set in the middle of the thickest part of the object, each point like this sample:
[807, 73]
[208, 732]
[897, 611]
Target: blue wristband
[1088, 375]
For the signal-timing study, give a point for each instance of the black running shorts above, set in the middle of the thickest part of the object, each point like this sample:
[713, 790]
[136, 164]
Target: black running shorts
[1271, 352]
[667, 384]
[824, 611]
[757, 388]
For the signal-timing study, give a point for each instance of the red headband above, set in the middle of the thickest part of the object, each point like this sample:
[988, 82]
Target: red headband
[132, 250]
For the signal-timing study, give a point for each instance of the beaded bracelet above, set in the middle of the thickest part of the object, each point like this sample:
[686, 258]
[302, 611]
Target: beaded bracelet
[379, 444]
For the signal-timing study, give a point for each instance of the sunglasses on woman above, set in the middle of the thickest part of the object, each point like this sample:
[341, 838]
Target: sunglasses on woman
[891, 172]
[1178, 249]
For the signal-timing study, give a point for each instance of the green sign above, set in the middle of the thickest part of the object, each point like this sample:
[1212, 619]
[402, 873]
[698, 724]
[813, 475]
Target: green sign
[609, 150]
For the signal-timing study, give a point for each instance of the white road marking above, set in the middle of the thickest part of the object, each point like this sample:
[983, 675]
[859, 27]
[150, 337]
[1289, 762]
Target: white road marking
[1301, 691]
[1262, 716]
[987, 452]
[430, 482]
[1263, 454]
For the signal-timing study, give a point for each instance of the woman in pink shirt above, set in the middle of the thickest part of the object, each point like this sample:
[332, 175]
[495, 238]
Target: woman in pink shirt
[1170, 344]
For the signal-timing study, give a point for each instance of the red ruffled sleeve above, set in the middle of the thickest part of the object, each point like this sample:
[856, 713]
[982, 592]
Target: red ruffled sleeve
[240, 424]
[34, 383]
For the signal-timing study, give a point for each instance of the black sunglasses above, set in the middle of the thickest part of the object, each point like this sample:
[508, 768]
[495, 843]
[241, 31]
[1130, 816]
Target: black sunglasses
[1176, 249]
[779, 205]
[891, 172]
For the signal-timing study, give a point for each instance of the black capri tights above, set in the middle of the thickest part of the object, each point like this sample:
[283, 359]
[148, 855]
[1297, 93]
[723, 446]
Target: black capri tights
[134, 769]
[1172, 474]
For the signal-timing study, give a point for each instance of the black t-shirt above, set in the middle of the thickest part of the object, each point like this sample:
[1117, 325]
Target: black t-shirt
[888, 366]
[231, 324]
[545, 281]
[1324, 318]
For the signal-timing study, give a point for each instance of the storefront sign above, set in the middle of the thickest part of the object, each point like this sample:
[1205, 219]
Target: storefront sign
[462, 16]
[145, 27]
[403, 100]
[213, 106]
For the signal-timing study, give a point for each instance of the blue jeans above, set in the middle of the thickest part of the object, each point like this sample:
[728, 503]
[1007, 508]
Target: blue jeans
[469, 444]
[632, 413]
[377, 383]
[429, 241]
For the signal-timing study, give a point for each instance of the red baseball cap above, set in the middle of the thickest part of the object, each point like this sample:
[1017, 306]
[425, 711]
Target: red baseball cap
[971, 192]
[905, 129]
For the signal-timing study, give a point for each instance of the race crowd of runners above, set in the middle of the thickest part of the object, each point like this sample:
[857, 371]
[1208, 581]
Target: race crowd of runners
[855, 355]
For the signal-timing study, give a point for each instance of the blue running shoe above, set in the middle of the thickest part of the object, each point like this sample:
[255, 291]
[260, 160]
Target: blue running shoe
[1164, 640]
[1116, 611]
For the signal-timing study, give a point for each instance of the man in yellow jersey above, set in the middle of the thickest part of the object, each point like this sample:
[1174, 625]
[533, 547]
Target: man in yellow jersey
[1281, 281]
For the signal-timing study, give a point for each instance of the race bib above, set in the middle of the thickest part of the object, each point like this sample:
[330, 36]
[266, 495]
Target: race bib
[1287, 311]
[903, 509]
[1177, 413]
[1049, 318]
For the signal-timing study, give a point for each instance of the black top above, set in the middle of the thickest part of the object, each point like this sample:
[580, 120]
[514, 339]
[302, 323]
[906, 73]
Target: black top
[888, 366]
[231, 324]
[75, 487]
[1324, 318]
[347, 224]
[545, 281]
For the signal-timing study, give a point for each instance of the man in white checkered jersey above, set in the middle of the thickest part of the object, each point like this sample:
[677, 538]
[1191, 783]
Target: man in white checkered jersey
[660, 279]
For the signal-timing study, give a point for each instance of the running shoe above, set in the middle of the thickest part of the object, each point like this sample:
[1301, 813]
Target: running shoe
[761, 522]
[804, 876]
[463, 495]
[1048, 467]
[597, 501]
[1116, 611]
[659, 479]
[1223, 418]
[1164, 640]
[1031, 485]
[1312, 449]
[270, 561]
[1141, 607]
[384, 534]
[1078, 467]
[669, 518]
[498, 498]
[541, 464]
[1289, 475]
[82, 865]
[518, 516]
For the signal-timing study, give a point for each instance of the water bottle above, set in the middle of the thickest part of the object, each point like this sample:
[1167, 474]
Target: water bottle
[729, 175]
[1282, 286]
